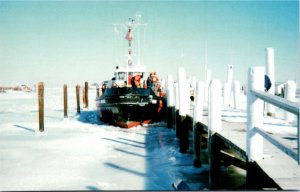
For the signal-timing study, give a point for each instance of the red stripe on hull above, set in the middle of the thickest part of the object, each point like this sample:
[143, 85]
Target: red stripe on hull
[128, 125]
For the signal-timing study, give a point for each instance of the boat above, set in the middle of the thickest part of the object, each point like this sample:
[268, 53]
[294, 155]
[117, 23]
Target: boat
[133, 96]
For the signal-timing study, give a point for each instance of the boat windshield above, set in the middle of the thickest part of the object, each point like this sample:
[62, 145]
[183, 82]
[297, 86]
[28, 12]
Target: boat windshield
[121, 76]
[128, 90]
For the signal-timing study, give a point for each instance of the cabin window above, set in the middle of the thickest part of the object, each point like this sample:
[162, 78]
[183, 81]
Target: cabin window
[121, 76]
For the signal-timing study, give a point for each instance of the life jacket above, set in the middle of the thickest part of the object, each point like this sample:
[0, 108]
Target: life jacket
[136, 81]
[154, 78]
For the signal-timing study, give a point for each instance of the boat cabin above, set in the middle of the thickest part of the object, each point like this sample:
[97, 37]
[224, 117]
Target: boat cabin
[123, 76]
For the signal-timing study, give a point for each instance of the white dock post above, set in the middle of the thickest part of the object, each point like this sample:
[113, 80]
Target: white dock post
[207, 82]
[226, 95]
[270, 67]
[170, 88]
[214, 125]
[170, 101]
[184, 106]
[290, 94]
[230, 83]
[183, 99]
[214, 106]
[198, 117]
[254, 114]
[199, 102]
[237, 94]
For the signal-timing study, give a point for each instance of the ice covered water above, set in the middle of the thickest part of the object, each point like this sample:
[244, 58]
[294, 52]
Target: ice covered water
[82, 153]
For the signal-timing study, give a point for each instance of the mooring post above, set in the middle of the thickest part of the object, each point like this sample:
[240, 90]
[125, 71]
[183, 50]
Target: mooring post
[214, 162]
[270, 66]
[97, 91]
[170, 101]
[198, 130]
[184, 104]
[237, 94]
[226, 95]
[214, 106]
[254, 114]
[41, 106]
[197, 127]
[207, 82]
[65, 101]
[86, 89]
[214, 126]
[290, 94]
[176, 88]
[78, 98]
[83, 97]
[230, 83]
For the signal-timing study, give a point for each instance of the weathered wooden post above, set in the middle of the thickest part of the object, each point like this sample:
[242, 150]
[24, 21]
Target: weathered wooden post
[270, 66]
[65, 101]
[83, 97]
[41, 106]
[237, 94]
[184, 104]
[197, 126]
[214, 125]
[86, 90]
[78, 98]
[290, 94]
[254, 114]
[170, 101]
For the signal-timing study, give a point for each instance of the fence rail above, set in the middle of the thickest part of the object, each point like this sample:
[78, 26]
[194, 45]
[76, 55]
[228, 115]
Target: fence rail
[254, 127]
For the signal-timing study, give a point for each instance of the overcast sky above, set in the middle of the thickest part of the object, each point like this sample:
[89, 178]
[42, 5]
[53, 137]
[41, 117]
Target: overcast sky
[72, 42]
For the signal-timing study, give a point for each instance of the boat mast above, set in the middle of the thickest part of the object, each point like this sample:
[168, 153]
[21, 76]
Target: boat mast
[129, 37]
[130, 26]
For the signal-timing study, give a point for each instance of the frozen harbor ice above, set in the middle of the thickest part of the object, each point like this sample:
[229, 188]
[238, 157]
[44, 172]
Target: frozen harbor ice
[81, 153]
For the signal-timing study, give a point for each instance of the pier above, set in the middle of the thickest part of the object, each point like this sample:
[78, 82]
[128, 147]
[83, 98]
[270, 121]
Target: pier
[267, 148]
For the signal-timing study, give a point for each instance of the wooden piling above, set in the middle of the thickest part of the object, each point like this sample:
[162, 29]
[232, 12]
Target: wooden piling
[41, 106]
[198, 129]
[83, 97]
[176, 114]
[170, 101]
[78, 98]
[177, 123]
[183, 134]
[214, 162]
[65, 101]
[197, 126]
[255, 113]
[270, 72]
[86, 89]
[169, 117]
[214, 106]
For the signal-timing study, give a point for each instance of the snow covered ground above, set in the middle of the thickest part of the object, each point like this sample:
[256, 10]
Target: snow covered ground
[81, 153]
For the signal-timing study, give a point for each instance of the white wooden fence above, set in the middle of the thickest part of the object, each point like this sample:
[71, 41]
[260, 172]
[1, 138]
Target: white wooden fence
[255, 134]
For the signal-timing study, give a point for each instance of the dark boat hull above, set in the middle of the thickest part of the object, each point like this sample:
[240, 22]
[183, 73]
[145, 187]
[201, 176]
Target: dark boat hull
[129, 107]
